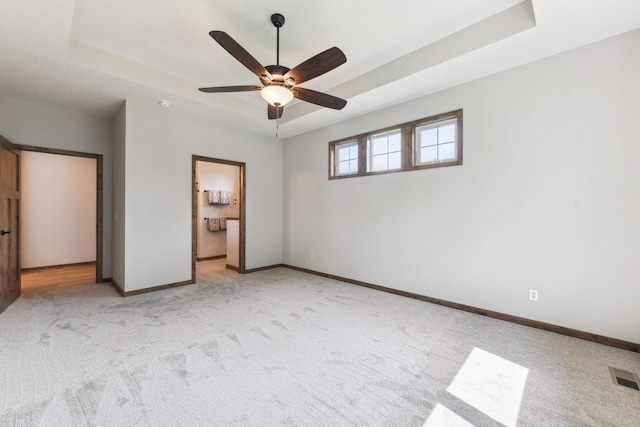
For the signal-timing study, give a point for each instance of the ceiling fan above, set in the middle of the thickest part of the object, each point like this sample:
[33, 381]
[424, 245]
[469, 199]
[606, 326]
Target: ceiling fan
[279, 83]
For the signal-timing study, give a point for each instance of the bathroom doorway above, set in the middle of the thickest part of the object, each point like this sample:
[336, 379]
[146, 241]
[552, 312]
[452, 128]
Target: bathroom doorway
[218, 217]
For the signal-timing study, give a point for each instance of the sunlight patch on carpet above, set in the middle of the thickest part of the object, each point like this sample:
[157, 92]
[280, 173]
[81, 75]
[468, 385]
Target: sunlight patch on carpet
[492, 385]
[441, 416]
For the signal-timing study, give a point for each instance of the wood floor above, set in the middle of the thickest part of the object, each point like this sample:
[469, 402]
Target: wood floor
[48, 278]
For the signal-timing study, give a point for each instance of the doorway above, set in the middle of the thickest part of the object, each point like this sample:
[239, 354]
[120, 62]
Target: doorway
[58, 221]
[218, 213]
[12, 189]
[81, 260]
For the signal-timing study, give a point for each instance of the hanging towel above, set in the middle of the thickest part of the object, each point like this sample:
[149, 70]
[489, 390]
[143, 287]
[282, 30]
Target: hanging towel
[213, 224]
[214, 197]
[223, 223]
[224, 197]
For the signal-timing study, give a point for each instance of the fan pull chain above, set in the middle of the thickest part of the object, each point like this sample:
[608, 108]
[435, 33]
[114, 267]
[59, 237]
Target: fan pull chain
[277, 127]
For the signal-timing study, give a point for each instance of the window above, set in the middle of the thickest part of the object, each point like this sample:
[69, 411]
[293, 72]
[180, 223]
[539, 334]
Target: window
[426, 143]
[384, 151]
[436, 142]
[346, 162]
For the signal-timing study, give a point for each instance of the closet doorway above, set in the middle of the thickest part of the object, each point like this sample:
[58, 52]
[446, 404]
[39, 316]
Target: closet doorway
[218, 212]
[61, 211]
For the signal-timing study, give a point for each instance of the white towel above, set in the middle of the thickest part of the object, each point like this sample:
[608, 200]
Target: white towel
[225, 196]
[214, 197]
[223, 223]
[213, 224]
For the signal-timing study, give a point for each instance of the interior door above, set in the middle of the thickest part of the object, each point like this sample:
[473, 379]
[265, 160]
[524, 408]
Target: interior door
[10, 224]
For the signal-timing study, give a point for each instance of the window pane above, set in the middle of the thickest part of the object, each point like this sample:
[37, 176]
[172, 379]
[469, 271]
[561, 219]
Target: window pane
[395, 160]
[353, 152]
[394, 142]
[343, 153]
[379, 163]
[379, 145]
[353, 166]
[429, 154]
[428, 137]
[343, 167]
[447, 133]
[447, 151]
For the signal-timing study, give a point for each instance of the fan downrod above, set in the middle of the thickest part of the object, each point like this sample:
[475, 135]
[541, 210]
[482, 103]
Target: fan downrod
[277, 20]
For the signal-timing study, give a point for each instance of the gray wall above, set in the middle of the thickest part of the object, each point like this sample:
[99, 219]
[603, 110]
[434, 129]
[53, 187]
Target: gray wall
[547, 198]
[158, 161]
[27, 123]
[119, 177]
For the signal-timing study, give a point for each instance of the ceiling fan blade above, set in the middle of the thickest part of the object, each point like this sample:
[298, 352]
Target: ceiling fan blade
[319, 98]
[229, 89]
[274, 112]
[238, 52]
[316, 66]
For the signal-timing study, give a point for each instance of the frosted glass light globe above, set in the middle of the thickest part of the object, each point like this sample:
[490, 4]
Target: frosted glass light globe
[277, 96]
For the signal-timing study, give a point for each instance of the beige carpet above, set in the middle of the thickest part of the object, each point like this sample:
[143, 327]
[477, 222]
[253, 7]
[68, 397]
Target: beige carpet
[280, 347]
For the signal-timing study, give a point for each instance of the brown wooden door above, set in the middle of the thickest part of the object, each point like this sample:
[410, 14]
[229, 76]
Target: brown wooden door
[10, 224]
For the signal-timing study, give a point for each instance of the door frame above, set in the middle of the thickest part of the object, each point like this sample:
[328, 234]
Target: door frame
[99, 195]
[194, 208]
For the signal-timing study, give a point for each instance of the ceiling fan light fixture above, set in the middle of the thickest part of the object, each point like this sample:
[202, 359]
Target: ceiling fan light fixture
[277, 96]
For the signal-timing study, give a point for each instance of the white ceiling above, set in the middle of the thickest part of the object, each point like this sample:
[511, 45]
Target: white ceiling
[90, 55]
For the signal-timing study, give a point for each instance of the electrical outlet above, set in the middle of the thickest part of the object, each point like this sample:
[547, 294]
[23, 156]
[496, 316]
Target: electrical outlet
[533, 294]
[311, 255]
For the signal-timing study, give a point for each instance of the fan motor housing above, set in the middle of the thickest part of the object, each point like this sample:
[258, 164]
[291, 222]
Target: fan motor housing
[278, 71]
